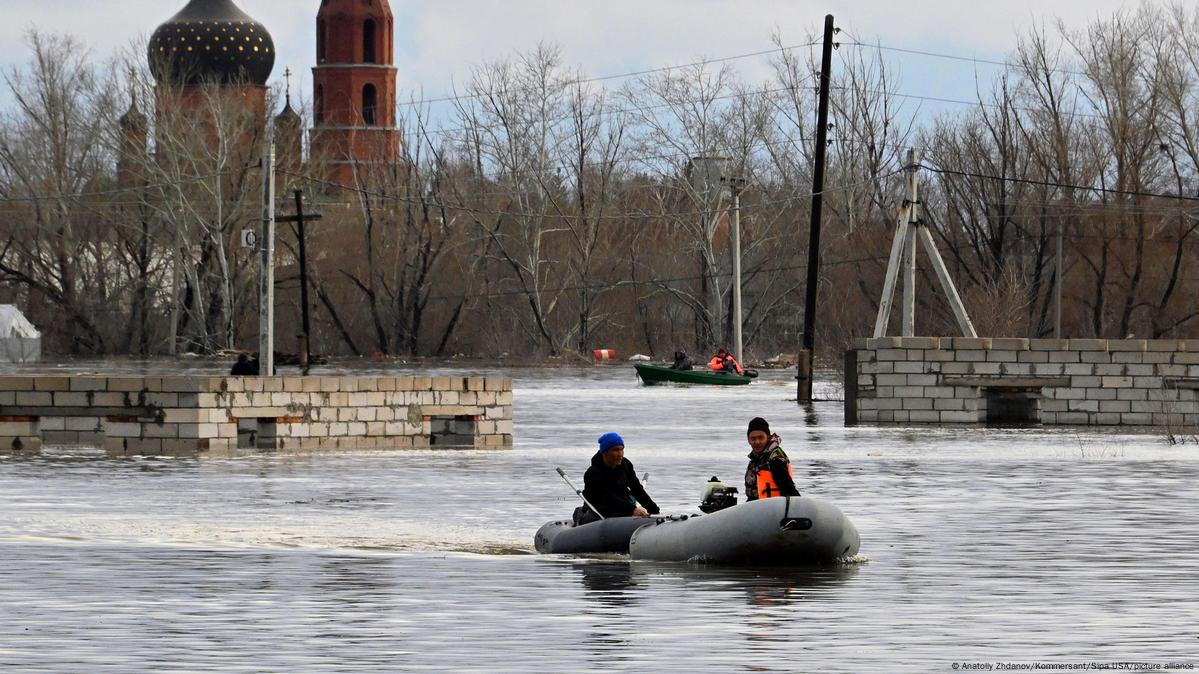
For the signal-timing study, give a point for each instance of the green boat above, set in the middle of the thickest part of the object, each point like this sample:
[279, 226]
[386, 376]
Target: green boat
[660, 374]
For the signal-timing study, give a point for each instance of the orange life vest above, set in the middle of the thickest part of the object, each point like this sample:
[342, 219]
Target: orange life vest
[736, 365]
[716, 364]
[766, 486]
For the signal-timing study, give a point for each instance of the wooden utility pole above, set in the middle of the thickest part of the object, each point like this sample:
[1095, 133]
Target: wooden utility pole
[266, 295]
[299, 219]
[804, 392]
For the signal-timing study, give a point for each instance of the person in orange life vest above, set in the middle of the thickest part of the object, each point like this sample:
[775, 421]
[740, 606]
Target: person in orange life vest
[769, 473]
[611, 485]
[724, 361]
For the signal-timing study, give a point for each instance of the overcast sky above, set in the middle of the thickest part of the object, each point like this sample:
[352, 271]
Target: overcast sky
[437, 41]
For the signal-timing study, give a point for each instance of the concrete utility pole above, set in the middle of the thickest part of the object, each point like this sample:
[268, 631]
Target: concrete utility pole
[735, 186]
[266, 295]
[804, 391]
[299, 219]
[1057, 285]
[903, 256]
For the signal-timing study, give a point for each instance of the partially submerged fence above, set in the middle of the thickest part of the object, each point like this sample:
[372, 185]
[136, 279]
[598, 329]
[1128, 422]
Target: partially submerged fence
[1128, 382]
[189, 416]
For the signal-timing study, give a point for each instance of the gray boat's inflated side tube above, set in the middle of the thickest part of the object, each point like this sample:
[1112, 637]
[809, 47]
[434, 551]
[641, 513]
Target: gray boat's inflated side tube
[610, 535]
[788, 531]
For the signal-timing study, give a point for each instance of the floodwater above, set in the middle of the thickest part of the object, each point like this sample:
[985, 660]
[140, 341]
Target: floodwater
[979, 547]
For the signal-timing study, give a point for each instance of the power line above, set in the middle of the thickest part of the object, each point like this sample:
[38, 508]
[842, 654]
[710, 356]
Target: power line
[1045, 183]
[604, 78]
[954, 57]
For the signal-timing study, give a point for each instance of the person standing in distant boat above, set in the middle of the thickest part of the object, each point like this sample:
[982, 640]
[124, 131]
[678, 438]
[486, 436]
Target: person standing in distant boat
[611, 485]
[681, 361]
[769, 472]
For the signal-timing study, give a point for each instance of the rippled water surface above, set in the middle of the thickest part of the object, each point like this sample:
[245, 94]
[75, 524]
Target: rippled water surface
[978, 546]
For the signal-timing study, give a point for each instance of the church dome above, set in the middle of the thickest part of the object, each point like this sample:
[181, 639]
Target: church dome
[211, 41]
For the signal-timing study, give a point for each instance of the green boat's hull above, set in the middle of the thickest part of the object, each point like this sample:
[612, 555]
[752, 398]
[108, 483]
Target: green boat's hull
[658, 374]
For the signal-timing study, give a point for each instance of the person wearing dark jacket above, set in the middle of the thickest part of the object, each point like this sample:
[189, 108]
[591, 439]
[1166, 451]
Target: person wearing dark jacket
[244, 367]
[681, 361]
[769, 472]
[611, 485]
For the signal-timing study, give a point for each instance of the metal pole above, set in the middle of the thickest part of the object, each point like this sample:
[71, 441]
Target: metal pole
[1057, 286]
[305, 349]
[909, 272]
[266, 307]
[736, 217]
[809, 329]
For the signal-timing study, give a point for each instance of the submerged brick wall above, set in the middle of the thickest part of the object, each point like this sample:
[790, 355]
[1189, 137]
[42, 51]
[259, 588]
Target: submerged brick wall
[1132, 382]
[187, 416]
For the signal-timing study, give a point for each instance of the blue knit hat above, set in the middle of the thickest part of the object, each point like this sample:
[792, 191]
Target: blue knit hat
[609, 440]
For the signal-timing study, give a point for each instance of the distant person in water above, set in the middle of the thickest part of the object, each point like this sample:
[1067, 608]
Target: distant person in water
[769, 472]
[724, 361]
[611, 485]
[682, 361]
[245, 366]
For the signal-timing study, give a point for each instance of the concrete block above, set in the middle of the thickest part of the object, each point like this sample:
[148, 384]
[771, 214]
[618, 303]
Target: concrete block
[1010, 343]
[1109, 369]
[89, 424]
[1072, 418]
[1077, 405]
[1132, 394]
[1106, 419]
[1095, 357]
[89, 383]
[892, 354]
[939, 392]
[939, 355]
[1048, 369]
[1147, 382]
[1016, 369]
[957, 368]
[970, 355]
[923, 380]
[867, 416]
[1032, 357]
[52, 383]
[971, 343]
[1127, 345]
[917, 404]
[1117, 382]
[1165, 345]
[910, 367]
[1055, 405]
[30, 399]
[1087, 345]
[1063, 356]
[1163, 370]
[496, 384]
[951, 404]
[1085, 382]
[920, 343]
[1136, 419]
[890, 404]
[892, 379]
[959, 417]
[1101, 394]
[902, 416]
[909, 391]
[1128, 356]
[1078, 369]
[925, 416]
[1048, 344]
[1115, 406]
[1001, 356]
[886, 416]
[1141, 370]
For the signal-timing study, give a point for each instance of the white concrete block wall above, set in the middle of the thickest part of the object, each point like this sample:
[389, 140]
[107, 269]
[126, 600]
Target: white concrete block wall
[1081, 381]
[202, 415]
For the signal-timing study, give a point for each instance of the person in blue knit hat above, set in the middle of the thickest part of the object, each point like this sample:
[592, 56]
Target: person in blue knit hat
[611, 484]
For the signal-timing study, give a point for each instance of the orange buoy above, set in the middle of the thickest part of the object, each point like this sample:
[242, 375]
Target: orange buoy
[602, 355]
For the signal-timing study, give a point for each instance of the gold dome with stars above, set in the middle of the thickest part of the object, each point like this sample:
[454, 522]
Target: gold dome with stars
[211, 41]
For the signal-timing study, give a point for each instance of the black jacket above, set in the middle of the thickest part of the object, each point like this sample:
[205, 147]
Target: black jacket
[612, 490]
[775, 460]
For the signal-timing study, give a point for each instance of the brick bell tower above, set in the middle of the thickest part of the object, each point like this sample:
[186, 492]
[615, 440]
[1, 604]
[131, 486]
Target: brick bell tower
[354, 90]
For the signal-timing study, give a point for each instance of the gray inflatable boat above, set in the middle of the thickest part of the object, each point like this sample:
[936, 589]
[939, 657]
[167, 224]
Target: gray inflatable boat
[775, 531]
[610, 535]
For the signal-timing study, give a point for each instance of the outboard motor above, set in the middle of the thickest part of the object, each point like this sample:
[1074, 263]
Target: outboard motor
[717, 496]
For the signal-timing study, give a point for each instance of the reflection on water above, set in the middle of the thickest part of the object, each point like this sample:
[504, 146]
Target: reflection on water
[982, 544]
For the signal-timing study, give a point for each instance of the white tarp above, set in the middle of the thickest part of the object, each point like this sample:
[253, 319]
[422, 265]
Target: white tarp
[20, 342]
